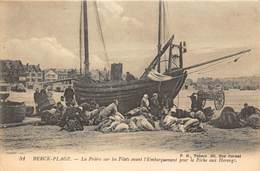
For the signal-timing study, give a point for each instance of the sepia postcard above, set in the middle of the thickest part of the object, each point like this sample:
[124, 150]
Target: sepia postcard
[129, 85]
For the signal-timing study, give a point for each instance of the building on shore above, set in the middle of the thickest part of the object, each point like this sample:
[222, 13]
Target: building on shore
[50, 75]
[66, 73]
[242, 83]
[31, 76]
[12, 71]
[34, 75]
[53, 74]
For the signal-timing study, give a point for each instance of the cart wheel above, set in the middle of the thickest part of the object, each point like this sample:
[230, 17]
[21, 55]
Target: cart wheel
[219, 100]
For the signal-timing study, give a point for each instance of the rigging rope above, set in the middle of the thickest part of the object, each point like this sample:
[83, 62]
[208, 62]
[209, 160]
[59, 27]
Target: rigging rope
[212, 65]
[213, 69]
[101, 32]
[215, 64]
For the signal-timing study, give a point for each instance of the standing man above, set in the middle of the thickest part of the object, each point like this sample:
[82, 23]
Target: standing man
[194, 102]
[165, 102]
[155, 106]
[44, 91]
[69, 96]
[36, 97]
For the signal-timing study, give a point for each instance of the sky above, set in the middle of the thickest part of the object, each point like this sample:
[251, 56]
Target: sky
[48, 33]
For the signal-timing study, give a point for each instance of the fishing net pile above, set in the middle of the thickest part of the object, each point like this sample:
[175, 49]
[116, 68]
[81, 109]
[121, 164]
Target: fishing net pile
[108, 119]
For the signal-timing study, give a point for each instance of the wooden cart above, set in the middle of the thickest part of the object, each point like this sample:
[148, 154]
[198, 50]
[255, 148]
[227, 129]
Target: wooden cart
[218, 96]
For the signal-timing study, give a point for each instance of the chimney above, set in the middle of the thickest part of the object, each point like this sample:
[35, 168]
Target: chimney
[116, 71]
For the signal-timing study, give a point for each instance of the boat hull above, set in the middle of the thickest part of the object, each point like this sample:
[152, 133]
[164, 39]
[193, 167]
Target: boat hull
[129, 93]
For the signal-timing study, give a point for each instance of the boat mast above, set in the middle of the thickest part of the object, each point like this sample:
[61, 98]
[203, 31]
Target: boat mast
[159, 34]
[80, 40]
[86, 45]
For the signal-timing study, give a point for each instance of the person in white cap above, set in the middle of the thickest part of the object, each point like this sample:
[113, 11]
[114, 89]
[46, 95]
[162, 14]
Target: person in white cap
[145, 102]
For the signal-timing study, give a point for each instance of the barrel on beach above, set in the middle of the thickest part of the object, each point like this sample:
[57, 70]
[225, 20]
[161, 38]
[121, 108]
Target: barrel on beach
[12, 112]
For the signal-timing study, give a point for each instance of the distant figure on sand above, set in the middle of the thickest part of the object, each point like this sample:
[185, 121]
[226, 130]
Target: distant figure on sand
[36, 97]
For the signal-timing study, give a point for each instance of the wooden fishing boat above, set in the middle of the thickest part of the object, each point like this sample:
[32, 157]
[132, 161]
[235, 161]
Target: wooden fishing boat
[129, 93]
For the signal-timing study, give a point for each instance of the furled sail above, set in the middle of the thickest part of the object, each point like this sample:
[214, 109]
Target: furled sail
[156, 76]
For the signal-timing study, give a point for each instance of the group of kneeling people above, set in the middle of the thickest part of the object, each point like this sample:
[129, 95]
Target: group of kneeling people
[150, 116]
